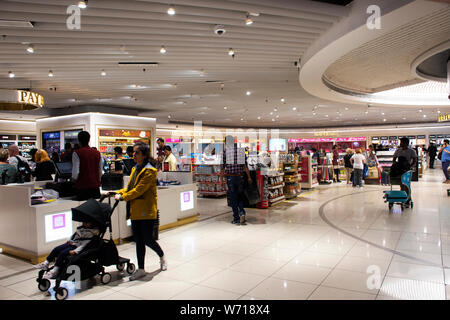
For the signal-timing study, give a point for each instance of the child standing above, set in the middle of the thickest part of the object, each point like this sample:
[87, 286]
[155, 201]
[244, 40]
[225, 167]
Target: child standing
[358, 161]
[84, 234]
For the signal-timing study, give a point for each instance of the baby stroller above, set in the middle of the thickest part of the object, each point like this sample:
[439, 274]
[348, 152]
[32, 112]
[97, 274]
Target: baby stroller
[401, 197]
[96, 255]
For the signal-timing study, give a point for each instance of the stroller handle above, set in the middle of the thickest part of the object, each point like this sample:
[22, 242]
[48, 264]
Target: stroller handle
[107, 195]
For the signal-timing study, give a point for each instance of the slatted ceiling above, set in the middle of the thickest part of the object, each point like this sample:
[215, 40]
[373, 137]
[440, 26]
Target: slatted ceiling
[385, 62]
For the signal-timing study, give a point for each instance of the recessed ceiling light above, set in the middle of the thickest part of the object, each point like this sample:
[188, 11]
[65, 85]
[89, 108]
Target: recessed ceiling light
[326, 115]
[382, 113]
[242, 119]
[82, 4]
[248, 93]
[271, 113]
[439, 111]
[202, 72]
[259, 118]
[424, 115]
[282, 100]
[384, 120]
[11, 74]
[294, 108]
[230, 51]
[103, 73]
[420, 110]
[367, 112]
[273, 119]
[248, 20]
[162, 50]
[225, 108]
[30, 49]
[171, 11]
[169, 116]
[275, 109]
[404, 118]
[314, 113]
[50, 73]
[346, 108]
[277, 116]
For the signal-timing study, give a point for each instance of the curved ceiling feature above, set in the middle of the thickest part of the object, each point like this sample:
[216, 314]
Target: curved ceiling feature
[359, 63]
[432, 64]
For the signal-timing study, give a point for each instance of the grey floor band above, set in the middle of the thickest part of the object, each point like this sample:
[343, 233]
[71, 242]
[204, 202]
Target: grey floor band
[324, 218]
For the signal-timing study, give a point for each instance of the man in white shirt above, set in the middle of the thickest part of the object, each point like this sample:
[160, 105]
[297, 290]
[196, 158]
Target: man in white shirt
[170, 159]
[358, 161]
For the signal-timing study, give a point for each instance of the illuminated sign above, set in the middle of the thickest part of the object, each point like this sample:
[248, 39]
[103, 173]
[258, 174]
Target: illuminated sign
[351, 139]
[325, 133]
[187, 200]
[29, 97]
[277, 144]
[173, 140]
[444, 117]
[58, 226]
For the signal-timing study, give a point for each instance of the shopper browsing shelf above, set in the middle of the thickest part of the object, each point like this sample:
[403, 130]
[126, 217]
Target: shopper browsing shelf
[8, 173]
[44, 167]
[358, 161]
[445, 159]
[432, 151]
[66, 156]
[170, 161]
[234, 165]
[142, 198]
[348, 165]
[405, 151]
[335, 162]
[160, 152]
[86, 169]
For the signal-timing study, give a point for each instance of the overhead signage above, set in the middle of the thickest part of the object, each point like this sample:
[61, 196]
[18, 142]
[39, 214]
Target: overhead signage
[393, 137]
[27, 138]
[375, 138]
[444, 117]
[421, 137]
[411, 137]
[9, 137]
[383, 138]
[440, 136]
[29, 97]
[325, 133]
[51, 135]
[58, 226]
[186, 200]
[433, 136]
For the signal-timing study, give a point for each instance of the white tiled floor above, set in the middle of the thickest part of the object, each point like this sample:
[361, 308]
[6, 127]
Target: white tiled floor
[289, 252]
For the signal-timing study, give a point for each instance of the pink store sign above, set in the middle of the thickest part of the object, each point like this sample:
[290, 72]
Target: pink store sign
[173, 140]
[350, 139]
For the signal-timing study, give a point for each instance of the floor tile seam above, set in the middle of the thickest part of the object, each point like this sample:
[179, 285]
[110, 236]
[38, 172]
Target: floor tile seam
[20, 281]
[322, 215]
[350, 290]
[17, 273]
[387, 270]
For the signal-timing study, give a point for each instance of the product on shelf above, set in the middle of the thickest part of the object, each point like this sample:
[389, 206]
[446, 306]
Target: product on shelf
[209, 180]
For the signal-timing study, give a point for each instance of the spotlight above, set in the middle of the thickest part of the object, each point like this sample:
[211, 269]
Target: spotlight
[230, 52]
[248, 20]
[294, 108]
[248, 93]
[283, 100]
[171, 11]
[50, 73]
[30, 49]
[82, 4]
[103, 73]
[11, 74]
[163, 50]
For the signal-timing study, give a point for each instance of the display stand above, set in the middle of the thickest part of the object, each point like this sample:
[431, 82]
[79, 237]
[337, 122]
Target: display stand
[307, 171]
[209, 181]
[289, 165]
[325, 169]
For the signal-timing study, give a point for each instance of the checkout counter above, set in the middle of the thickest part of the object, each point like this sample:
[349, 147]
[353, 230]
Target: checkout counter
[32, 231]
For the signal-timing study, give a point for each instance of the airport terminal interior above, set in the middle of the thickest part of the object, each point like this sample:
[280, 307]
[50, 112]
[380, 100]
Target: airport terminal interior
[337, 113]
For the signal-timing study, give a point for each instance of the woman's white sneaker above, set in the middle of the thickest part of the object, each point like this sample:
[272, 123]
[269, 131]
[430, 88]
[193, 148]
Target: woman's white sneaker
[42, 266]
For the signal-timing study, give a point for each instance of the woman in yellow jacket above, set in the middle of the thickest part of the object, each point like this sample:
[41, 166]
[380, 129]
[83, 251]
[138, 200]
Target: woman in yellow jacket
[141, 197]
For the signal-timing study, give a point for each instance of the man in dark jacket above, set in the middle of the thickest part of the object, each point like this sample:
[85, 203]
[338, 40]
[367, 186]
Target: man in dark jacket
[432, 151]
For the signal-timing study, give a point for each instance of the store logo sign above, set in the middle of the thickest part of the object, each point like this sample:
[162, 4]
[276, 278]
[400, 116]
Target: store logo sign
[29, 97]
[59, 221]
[443, 118]
[186, 200]
[187, 197]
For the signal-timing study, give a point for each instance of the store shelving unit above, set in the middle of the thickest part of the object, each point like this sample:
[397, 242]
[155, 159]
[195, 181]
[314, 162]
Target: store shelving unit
[289, 165]
[108, 139]
[209, 181]
[307, 171]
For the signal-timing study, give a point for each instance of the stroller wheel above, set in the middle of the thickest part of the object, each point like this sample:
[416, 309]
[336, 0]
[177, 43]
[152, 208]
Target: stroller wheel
[131, 268]
[120, 266]
[44, 285]
[106, 278]
[61, 293]
[390, 205]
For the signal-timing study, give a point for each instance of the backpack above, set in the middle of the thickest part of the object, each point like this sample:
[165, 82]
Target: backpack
[23, 171]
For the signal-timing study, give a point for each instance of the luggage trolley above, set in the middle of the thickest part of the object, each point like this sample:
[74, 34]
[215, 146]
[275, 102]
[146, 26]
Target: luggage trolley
[399, 196]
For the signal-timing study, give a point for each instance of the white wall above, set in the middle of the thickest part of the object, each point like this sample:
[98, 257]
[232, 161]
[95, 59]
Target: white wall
[17, 127]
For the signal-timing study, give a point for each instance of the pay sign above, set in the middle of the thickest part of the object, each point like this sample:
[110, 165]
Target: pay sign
[29, 97]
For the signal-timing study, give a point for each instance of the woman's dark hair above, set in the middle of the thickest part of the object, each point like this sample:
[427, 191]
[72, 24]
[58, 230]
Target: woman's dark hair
[118, 149]
[83, 138]
[144, 149]
[168, 148]
[33, 153]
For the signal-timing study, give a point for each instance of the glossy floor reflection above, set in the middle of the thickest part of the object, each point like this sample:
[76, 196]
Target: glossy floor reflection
[290, 252]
